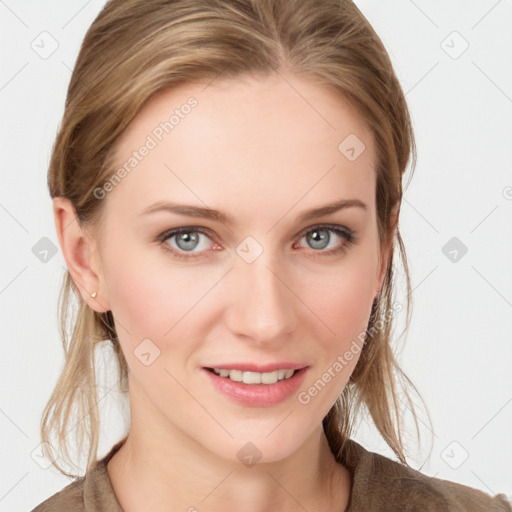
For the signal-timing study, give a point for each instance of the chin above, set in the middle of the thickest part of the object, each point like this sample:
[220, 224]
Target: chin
[260, 447]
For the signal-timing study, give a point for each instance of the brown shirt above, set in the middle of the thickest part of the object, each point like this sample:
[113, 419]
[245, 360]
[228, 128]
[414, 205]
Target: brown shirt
[378, 484]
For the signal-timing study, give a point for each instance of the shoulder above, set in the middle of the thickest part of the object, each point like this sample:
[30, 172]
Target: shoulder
[69, 498]
[380, 484]
[92, 492]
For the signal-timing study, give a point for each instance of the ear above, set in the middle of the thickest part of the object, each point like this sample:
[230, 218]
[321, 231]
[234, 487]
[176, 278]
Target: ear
[80, 254]
[388, 247]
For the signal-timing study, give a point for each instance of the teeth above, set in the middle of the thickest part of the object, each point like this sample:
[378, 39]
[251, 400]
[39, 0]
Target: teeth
[254, 377]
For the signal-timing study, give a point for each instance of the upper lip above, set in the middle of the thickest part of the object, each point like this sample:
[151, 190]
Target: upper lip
[265, 368]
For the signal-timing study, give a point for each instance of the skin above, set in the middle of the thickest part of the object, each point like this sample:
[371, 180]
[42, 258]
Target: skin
[261, 152]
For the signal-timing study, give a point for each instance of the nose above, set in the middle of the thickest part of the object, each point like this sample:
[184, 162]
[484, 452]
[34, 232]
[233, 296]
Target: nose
[262, 305]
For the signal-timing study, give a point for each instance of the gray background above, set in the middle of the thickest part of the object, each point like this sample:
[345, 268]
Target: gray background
[458, 351]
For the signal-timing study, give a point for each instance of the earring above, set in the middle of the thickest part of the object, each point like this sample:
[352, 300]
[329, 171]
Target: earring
[93, 295]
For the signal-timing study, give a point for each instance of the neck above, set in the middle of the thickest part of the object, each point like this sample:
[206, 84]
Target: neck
[164, 469]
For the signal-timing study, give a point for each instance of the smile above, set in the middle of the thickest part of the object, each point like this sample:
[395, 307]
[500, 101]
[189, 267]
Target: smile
[254, 377]
[256, 389]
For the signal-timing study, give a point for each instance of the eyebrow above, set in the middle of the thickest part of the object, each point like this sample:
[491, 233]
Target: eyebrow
[219, 216]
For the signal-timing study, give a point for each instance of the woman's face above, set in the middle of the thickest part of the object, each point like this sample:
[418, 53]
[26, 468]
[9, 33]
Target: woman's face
[263, 276]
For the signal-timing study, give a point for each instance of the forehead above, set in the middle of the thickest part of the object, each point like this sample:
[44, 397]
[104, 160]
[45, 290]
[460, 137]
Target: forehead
[246, 142]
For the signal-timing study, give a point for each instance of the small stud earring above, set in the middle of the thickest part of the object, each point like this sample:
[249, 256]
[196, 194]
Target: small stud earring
[93, 295]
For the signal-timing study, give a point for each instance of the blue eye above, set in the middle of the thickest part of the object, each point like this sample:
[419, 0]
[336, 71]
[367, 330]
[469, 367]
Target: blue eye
[186, 239]
[319, 238]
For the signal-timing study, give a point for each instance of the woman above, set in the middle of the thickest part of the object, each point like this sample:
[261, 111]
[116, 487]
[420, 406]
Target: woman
[226, 186]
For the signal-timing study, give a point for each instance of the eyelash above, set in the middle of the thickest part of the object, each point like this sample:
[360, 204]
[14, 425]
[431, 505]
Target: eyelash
[345, 233]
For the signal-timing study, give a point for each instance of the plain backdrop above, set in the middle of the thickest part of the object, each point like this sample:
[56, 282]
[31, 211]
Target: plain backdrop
[455, 65]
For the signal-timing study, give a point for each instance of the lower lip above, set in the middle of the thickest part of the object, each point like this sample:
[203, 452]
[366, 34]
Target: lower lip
[258, 395]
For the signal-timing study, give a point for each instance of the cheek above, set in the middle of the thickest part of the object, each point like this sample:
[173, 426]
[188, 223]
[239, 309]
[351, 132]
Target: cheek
[342, 304]
[147, 297]
[167, 303]
[342, 299]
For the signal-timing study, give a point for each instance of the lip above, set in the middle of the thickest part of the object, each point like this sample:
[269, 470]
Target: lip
[257, 395]
[251, 367]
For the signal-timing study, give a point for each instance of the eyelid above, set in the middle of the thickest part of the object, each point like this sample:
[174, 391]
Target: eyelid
[184, 229]
[334, 227]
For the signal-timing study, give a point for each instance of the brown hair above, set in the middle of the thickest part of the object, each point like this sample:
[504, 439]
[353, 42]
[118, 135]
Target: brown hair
[136, 48]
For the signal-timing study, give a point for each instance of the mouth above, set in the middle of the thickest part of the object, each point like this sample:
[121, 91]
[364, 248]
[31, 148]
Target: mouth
[252, 377]
[257, 389]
